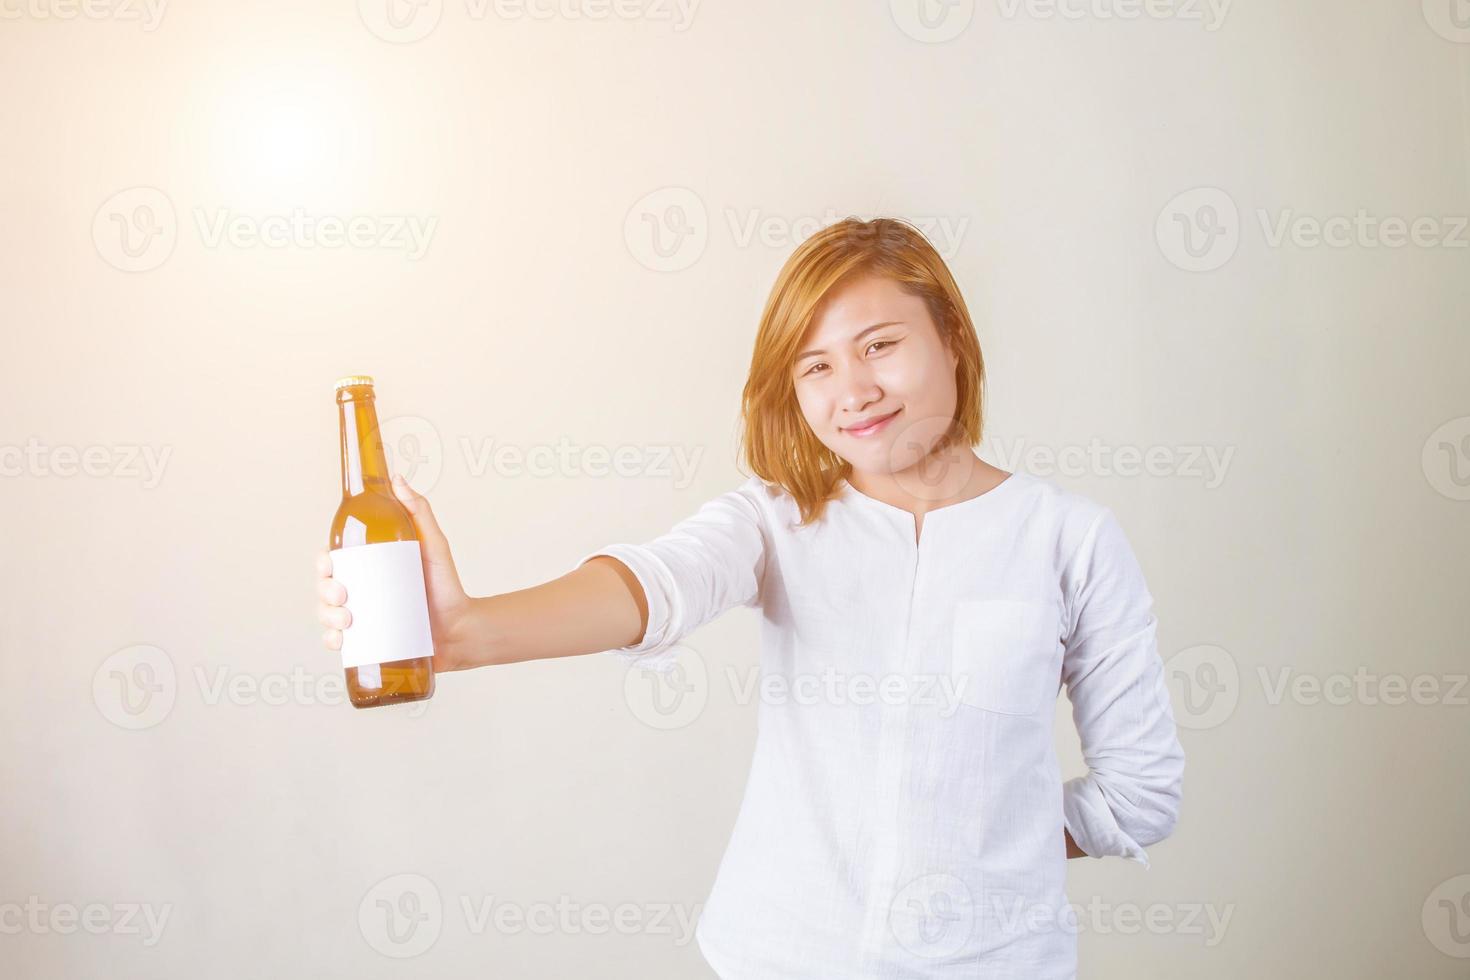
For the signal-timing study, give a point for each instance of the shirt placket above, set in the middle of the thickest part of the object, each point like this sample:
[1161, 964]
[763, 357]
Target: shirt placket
[889, 802]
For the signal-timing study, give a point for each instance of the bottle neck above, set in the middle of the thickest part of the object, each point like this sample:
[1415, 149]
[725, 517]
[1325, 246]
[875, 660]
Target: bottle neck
[364, 463]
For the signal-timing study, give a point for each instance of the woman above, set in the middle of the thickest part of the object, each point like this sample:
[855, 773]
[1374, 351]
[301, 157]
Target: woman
[911, 822]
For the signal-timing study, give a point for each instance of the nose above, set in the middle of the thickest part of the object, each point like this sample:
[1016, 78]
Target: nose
[859, 389]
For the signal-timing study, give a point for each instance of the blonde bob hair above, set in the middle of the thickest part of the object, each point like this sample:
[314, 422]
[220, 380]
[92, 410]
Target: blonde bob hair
[776, 442]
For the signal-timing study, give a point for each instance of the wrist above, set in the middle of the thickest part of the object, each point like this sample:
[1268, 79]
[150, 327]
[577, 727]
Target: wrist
[465, 643]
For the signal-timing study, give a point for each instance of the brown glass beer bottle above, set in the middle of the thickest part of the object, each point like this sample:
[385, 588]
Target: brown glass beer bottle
[387, 649]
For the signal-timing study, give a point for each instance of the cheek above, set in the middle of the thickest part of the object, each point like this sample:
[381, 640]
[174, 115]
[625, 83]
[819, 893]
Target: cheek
[810, 404]
[816, 409]
[942, 388]
[908, 374]
[922, 380]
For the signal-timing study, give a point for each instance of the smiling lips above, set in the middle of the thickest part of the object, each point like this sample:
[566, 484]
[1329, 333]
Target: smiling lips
[872, 425]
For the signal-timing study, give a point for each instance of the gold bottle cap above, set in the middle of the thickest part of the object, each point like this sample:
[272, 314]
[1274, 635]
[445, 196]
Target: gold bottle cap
[353, 379]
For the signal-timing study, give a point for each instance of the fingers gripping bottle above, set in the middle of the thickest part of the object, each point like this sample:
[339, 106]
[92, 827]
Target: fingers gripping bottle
[387, 649]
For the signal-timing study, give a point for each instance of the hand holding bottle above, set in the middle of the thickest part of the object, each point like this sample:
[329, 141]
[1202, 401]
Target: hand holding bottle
[414, 619]
[447, 599]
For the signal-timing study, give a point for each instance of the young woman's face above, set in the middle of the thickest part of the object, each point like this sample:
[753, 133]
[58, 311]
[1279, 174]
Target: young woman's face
[873, 355]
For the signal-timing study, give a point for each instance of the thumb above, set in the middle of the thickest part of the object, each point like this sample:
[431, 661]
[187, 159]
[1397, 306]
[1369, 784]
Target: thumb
[438, 562]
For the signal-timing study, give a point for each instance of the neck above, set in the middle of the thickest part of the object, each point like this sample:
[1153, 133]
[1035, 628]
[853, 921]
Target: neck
[944, 477]
[364, 463]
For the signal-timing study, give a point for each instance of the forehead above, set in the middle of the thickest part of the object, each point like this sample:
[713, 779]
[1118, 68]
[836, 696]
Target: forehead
[861, 302]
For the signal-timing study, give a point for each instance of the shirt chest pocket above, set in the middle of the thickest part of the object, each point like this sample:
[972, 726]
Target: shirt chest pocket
[1005, 654]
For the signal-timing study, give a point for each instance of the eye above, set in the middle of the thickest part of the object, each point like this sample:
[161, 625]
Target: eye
[880, 344]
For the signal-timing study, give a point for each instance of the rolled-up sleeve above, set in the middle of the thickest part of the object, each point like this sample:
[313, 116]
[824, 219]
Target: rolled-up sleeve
[707, 563]
[1130, 797]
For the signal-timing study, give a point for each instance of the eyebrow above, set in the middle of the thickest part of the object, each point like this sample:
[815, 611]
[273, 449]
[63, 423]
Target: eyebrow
[860, 334]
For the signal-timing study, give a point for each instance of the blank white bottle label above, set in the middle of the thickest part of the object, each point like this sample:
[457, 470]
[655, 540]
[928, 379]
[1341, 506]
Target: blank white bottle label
[387, 600]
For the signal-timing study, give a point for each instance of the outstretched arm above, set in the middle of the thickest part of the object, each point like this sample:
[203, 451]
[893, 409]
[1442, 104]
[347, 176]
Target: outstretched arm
[637, 600]
[596, 606]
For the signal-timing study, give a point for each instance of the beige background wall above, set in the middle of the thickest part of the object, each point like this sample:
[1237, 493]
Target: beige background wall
[175, 743]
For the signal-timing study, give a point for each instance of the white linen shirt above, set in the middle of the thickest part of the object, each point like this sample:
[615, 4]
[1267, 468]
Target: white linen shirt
[906, 821]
